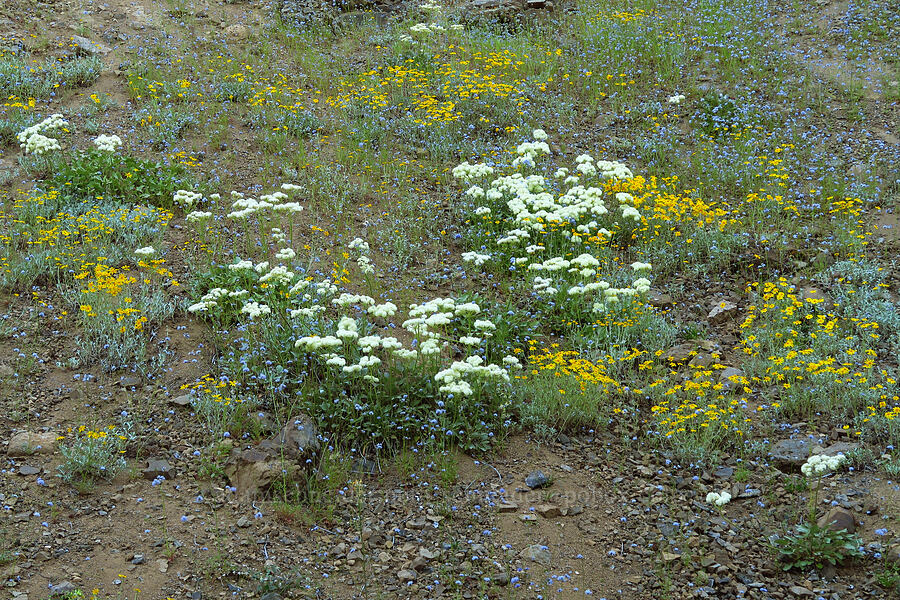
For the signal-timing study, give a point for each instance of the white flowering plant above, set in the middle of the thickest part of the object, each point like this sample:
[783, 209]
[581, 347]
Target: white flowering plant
[550, 229]
[812, 544]
[287, 330]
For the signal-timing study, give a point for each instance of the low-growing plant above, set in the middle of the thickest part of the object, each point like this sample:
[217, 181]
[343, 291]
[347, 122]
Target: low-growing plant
[811, 544]
[92, 454]
[100, 175]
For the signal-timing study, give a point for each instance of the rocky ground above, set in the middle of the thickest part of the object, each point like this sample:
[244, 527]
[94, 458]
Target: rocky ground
[591, 513]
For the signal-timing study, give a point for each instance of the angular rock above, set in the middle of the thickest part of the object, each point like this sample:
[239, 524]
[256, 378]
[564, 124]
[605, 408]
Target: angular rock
[90, 47]
[790, 454]
[508, 507]
[657, 299]
[840, 448]
[63, 588]
[536, 480]
[237, 31]
[837, 519]
[299, 437]
[26, 443]
[537, 553]
[721, 312]
[157, 468]
[548, 511]
[407, 575]
[731, 378]
[814, 295]
[183, 400]
[28, 470]
[680, 353]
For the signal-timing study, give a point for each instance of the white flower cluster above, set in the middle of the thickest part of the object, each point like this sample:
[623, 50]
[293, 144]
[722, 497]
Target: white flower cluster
[454, 379]
[197, 216]
[186, 198]
[528, 151]
[255, 309]
[468, 172]
[247, 207]
[33, 140]
[146, 251]
[718, 498]
[530, 213]
[676, 99]
[107, 143]
[820, 464]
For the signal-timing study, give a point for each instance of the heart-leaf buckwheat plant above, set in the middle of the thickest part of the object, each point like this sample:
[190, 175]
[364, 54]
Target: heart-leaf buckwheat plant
[812, 544]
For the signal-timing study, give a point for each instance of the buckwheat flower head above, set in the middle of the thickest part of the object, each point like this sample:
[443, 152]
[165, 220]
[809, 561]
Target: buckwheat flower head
[255, 309]
[539, 134]
[676, 99]
[641, 266]
[186, 198]
[718, 498]
[285, 254]
[359, 244]
[197, 216]
[290, 187]
[40, 144]
[145, 251]
[388, 309]
[821, 464]
[107, 143]
[241, 265]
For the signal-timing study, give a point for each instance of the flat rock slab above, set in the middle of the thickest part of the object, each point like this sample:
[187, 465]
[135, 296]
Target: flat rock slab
[27, 443]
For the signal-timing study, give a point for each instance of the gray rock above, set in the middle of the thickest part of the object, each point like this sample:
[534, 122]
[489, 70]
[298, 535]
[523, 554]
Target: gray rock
[537, 479]
[790, 454]
[537, 553]
[131, 381]
[28, 470]
[137, 559]
[63, 588]
[237, 31]
[270, 596]
[730, 378]
[840, 448]
[183, 400]
[90, 47]
[724, 472]
[27, 443]
[157, 468]
[407, 575]
[801, 591]
[299, 437]
[721, 312]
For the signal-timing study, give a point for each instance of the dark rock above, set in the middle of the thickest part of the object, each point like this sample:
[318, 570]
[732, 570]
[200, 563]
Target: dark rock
[721, 312]
[28, 470]
[299, 437]
[731, 378]
[789, 455]
[537, 479]
[724, 472]
[840, 448]
[658, 299]
[837, 519]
